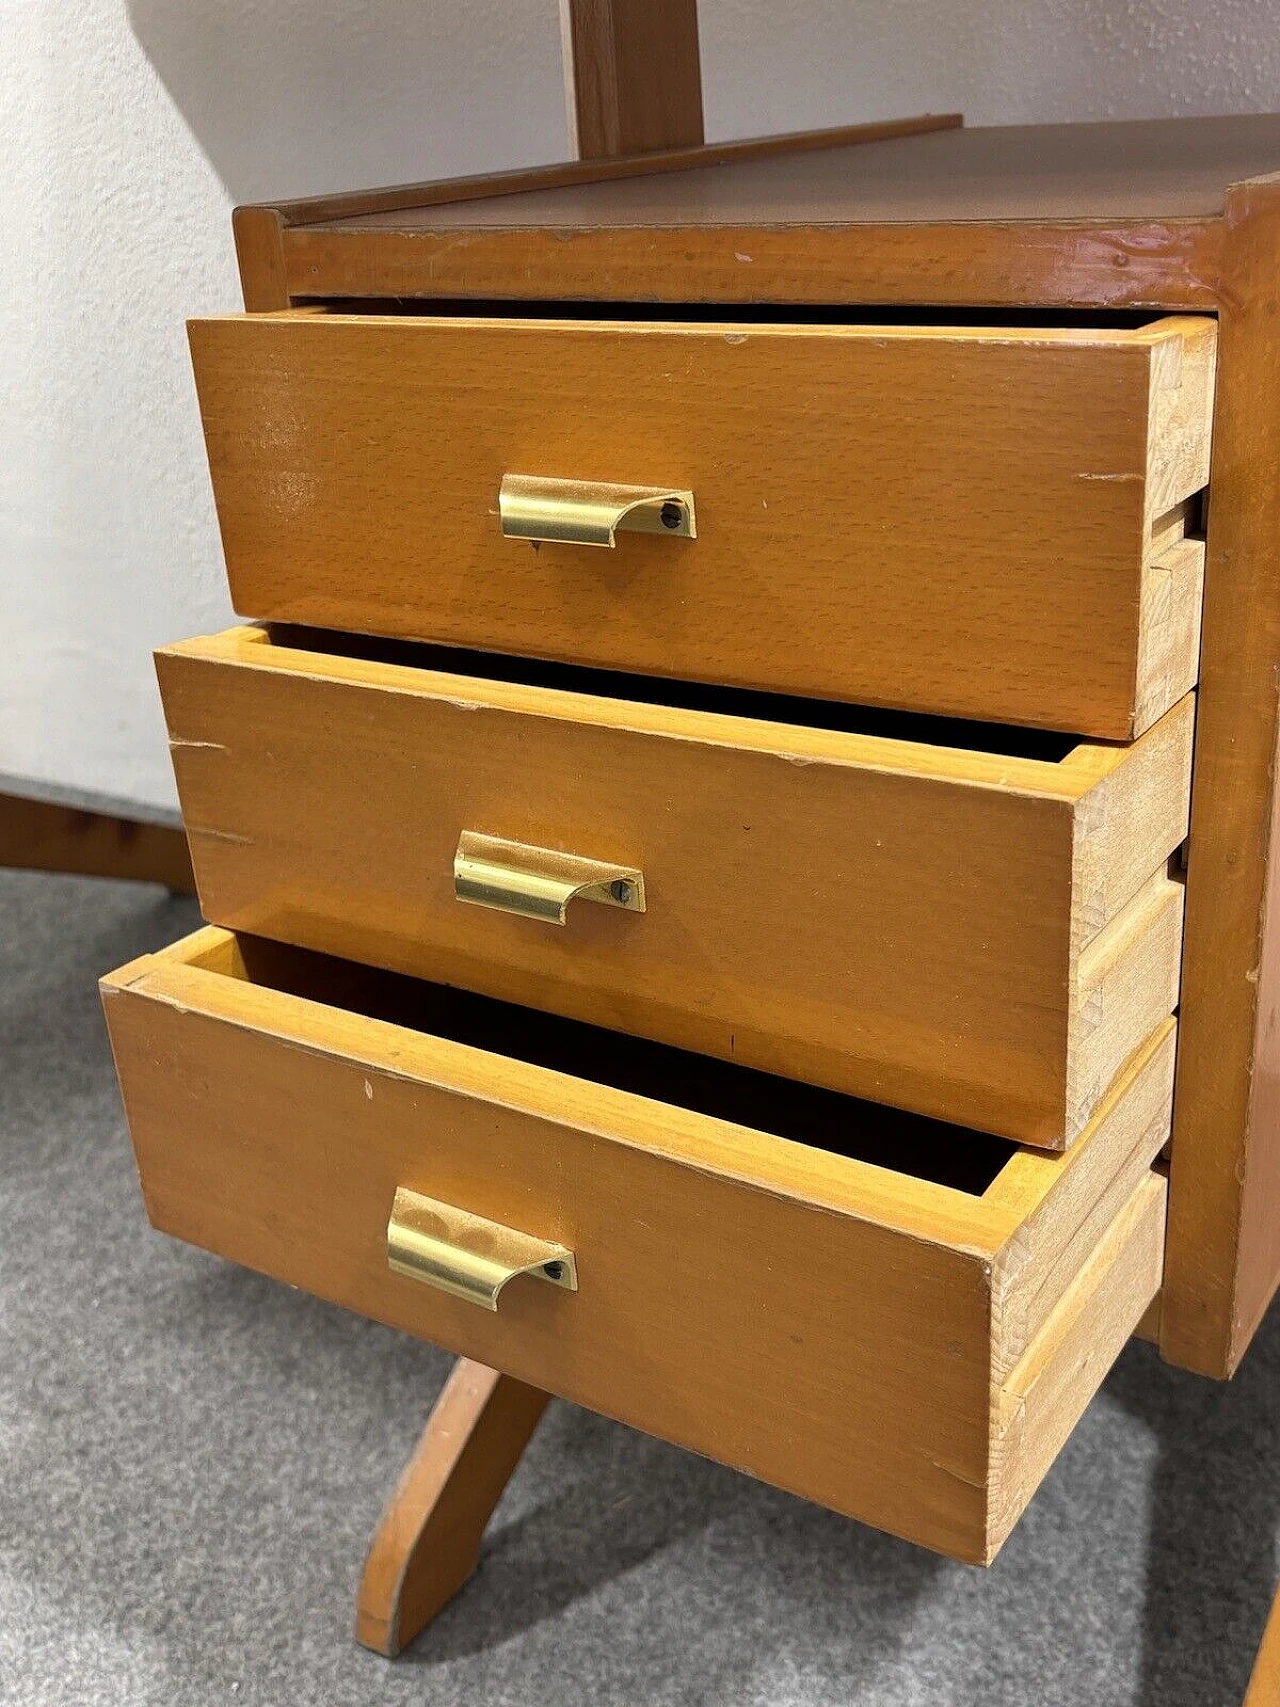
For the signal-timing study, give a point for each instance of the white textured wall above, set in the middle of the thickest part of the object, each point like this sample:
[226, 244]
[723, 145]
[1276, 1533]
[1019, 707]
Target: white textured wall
[818, 62]
[127, 133]
[126, 136]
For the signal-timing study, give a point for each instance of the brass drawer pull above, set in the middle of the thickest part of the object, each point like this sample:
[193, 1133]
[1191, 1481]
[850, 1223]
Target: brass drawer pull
[465, 1255]
[538, 883]
[590, 512]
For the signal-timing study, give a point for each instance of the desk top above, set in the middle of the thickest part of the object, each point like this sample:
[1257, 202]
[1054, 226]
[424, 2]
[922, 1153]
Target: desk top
[919, 211]
[1134, 169]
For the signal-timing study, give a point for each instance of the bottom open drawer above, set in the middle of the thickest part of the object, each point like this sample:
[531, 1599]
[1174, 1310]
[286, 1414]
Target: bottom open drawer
[828, 1294]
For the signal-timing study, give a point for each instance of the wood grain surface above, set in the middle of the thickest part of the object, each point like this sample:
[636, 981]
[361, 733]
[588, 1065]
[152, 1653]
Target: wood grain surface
[972, 935]
[953, 521]
[1076, 264]
[1045, 1396]
[898, 1350]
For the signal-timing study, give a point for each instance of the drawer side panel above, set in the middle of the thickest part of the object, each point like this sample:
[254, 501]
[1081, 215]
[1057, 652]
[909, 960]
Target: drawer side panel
[1044, 1397]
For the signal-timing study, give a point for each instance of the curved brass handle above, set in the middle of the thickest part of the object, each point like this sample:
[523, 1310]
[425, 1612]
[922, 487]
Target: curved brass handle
[590, 512]
[465, 1255]
[538, 883]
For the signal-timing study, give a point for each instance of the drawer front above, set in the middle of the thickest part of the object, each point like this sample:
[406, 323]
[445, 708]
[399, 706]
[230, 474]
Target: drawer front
[977, 523]
[976, 937]
[899, 1350]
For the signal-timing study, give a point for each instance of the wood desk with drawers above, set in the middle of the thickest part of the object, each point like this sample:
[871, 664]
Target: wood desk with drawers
[738, 853]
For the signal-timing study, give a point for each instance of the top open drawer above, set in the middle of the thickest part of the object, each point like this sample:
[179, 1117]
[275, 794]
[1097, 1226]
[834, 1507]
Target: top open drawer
[980, 522]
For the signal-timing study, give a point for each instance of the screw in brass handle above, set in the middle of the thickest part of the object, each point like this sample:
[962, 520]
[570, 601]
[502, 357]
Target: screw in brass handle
[590, 512]
[539, 883]
[466, 1256]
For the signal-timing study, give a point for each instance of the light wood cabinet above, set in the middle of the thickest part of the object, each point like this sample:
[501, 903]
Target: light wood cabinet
[872, 996]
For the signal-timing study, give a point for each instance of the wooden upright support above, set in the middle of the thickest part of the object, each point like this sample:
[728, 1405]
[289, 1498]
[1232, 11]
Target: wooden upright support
[633, 76]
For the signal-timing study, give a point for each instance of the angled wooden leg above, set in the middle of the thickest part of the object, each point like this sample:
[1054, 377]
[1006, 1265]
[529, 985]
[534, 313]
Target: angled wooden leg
[1264, 1687]
[428, 1542]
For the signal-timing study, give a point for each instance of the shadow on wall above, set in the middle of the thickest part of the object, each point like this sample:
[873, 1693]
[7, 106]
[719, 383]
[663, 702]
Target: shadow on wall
[303, 97]
[1215, 1519]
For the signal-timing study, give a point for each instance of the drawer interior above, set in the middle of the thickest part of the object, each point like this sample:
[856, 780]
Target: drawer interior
[837, 1125]
[1042, 746]
[745, 313]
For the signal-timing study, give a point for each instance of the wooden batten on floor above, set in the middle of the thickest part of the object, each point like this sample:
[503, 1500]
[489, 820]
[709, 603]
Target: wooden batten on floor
[37, 835]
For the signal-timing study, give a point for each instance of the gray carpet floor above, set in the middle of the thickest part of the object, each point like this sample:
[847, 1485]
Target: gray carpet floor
[192, 1459]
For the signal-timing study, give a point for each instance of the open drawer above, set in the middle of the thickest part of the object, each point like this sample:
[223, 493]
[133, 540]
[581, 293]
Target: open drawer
[831, 1296]
[984, 933]
[981, 521]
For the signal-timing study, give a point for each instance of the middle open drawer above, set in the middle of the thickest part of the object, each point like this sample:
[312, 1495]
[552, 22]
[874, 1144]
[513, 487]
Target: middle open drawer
[983, 934]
